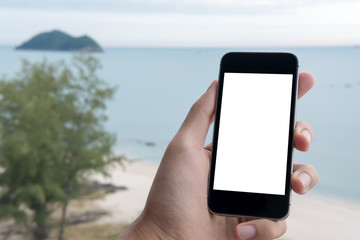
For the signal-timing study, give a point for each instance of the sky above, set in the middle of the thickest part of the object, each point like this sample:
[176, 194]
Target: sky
[186, 23]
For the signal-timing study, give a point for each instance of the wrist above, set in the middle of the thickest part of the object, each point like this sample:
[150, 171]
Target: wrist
[143, 229]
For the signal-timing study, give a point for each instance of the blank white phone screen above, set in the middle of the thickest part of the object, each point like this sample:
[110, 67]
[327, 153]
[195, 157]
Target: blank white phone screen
[253, 133]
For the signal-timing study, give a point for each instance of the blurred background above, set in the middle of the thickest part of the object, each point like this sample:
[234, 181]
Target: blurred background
[161, 55]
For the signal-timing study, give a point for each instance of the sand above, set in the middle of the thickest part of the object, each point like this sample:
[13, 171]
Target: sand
[125, 206]
[317, 217]
[312, 216]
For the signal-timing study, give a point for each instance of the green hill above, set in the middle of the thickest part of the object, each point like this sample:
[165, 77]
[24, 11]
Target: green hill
[60, 41]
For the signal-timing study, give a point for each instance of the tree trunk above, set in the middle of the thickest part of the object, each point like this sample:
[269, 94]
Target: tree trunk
[63, 219]
[64, 208]
[41, 229]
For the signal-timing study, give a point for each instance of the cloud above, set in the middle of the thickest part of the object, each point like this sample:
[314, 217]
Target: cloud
[168, 6]
[323, 23]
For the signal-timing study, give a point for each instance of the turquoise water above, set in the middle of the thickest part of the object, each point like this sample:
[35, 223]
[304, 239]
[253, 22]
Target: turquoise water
[156, 88]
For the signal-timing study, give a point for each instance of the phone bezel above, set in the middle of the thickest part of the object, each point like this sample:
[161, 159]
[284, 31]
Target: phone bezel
[247, 204]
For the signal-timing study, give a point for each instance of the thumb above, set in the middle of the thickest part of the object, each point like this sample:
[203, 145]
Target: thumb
[200, 117]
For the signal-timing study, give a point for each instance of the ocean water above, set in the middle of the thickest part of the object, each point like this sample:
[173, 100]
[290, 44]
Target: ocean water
[157, 86]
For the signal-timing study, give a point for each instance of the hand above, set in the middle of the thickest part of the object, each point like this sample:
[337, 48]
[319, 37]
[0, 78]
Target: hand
[176, 207]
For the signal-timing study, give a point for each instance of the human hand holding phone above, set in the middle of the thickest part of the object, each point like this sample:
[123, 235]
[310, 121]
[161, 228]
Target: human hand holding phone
[177, 203]
[251, 165]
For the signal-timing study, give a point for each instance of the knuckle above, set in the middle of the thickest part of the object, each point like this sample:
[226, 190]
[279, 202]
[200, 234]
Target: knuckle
[284, 227]
[270, 233]
[196, 106]
[180, 144]
[273, 229]
[298, 123]
[302, 124]
[310, 169]
[278, 229]
[177, 145]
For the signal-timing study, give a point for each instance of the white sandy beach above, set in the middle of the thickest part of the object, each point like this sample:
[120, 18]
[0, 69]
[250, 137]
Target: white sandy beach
[126, 205]
[312, 216]
[317, 217]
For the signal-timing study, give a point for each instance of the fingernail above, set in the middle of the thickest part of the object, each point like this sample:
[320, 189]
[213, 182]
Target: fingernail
[306, 133]
[305, 179]
[211, 85]
[246, 232]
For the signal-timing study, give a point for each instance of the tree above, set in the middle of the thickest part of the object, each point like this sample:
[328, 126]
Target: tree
[51, 137]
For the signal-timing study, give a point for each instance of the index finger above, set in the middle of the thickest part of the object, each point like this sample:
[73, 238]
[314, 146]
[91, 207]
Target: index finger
[306, 82]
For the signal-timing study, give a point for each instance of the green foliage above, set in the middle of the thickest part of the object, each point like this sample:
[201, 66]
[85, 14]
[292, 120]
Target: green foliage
[51, 136]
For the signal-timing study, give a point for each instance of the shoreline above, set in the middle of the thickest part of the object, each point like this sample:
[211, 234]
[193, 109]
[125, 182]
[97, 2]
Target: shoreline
[125, 206]
[312, 216]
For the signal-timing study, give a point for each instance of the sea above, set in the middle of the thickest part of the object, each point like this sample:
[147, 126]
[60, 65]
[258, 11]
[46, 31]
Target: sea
[157, 86]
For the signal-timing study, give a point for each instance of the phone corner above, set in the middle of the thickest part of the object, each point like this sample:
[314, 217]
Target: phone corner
[226, 55]
[293, 57]
[210, 209]
[285, 215]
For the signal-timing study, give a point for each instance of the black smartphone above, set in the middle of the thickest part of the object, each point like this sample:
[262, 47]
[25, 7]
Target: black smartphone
[252, 149]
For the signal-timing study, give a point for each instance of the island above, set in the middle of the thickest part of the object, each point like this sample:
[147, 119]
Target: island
[60, 41]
